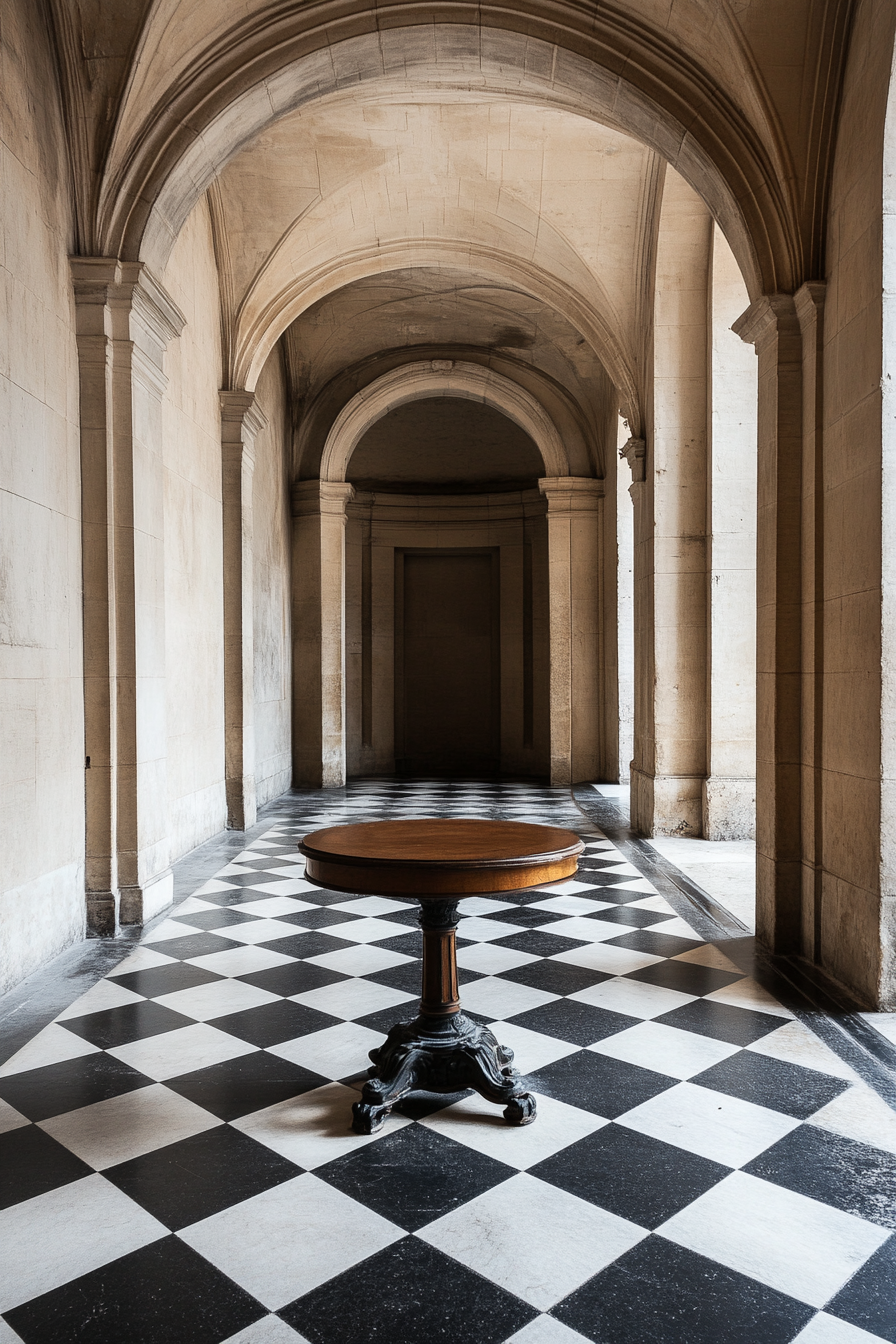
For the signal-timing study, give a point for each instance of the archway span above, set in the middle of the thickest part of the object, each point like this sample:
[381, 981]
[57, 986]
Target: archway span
[256, 335]
[670, 104]
[439, 378]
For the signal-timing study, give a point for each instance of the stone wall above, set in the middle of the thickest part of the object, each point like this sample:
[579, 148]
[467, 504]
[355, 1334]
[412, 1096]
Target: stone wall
[41, 705]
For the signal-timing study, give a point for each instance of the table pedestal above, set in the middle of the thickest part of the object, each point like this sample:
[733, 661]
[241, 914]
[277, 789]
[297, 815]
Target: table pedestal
[442, 1050]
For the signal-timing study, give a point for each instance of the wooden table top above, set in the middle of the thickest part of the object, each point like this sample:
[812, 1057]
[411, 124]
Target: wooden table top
[437, 856]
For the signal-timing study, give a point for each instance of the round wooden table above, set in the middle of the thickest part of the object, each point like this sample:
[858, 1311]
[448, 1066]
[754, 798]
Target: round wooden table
[438, 863]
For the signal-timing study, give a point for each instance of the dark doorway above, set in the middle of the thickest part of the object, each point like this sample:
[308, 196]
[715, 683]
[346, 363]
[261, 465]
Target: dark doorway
[447, 651]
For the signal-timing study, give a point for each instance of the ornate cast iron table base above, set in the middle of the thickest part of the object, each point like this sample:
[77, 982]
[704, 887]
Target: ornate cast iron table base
[442, 1050]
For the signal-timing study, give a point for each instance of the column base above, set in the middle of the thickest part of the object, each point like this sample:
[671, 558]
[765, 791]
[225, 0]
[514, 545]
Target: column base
[102, 914]
[729, 808]
[242, 811]
[666, 804]
[441, 1054]
[140, 903]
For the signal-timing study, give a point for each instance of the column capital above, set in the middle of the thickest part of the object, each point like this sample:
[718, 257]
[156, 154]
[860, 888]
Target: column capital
[310, 498]
[634, 452]
[242, 420]
[107, 282]
[809, 302]
[767, 318]
[571, 494]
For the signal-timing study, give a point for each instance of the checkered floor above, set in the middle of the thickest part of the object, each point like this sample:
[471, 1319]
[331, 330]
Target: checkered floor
[177, 1163]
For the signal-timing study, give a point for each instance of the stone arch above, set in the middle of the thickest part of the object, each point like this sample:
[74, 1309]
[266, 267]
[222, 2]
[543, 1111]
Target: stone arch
[439, 378]
[156, 177]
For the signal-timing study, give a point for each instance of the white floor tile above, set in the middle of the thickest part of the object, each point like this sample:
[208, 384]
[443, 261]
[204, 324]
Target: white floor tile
[708, 955]
[653, 1045]
[493, 1234]
[288, 1240]
[479, 1124]
[724, 1129]
[10, 1118]
[241, 960]
[571, 905]
[372, 905]
[747, 994]
[364, 959]
[677, 928]
[273, 907]
[141, 959]
[496, 998]
[260, 931]
[59, 1236]
[797, 1245]
[215, 999]
[104, 994]
[490, 960]
[587, 930]
[795, 1044]
[825, 1329]
[610, 960]
[269, 1330]
[885, 1023]
[658, 903]
[355, 998]
[636, 884]
[290, 871]
[315, 1128]
[53, 1045]
[572, 886]
[546, 1330]
[532, 1050]
[368, 930]
[194, 906]
[632, 997]
[113, 1131]
[482, 930]
[168, 929]
[488, 905]
[230, 869]
[335, 1052]
[173, 1053]
[213, 886]
[282, 886]
[624, 869]
[860, 1114]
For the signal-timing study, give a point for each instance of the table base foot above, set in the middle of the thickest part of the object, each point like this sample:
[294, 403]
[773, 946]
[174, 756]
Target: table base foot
[447, 1054]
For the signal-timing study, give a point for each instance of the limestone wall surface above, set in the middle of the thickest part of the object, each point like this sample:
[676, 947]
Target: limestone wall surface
[41, 705]
[272, 638]
[194, 642]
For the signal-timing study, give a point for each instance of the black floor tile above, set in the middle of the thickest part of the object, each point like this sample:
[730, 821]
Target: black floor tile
[527, 917]
[274, 1023]
[629, 915]
[31, 1163]
[187, 1181]
[578, 1023]
[774, 1083]
[635, 1177]
[420, 1104]
[409, 1293]
[385, 1018]
[659, 1293]
[129, 1022]
[721, 1021]
[414, 1176]
[162, 1294]
[657, 944]
[322, 897]
[195, 945]
[313, 944]
[220, 918]
[158, 980]
[554, 977]
[297, 978]
[685, 976]
[851, 1176]
[405, 977]
[317, 919]
[241, 1086]
[235, 896]
[410, 944]
[237, 880]
[868, 1301]
[42, 1093]
[538, 943]
[607, 1087]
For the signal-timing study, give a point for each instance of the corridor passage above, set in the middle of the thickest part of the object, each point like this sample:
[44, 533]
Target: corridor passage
[177, 1164]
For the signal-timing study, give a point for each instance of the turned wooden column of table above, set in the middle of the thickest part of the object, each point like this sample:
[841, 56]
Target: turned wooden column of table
[437, 863]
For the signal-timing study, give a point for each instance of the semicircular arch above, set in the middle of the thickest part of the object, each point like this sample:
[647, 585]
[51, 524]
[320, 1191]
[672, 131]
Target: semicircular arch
[440, 378]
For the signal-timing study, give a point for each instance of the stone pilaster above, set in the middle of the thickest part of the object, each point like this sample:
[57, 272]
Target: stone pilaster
[574, 505]
[241, 421]
[124, 322]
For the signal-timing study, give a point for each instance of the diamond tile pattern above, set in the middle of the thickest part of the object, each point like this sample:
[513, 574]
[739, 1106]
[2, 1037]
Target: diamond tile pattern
[195, 1177]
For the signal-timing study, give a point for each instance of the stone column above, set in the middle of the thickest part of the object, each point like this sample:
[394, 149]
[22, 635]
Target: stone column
[772, 325]
[318, 576]
[669, 763]
[574, 504]
[729, 791]
[241, 420]
[124, 323]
